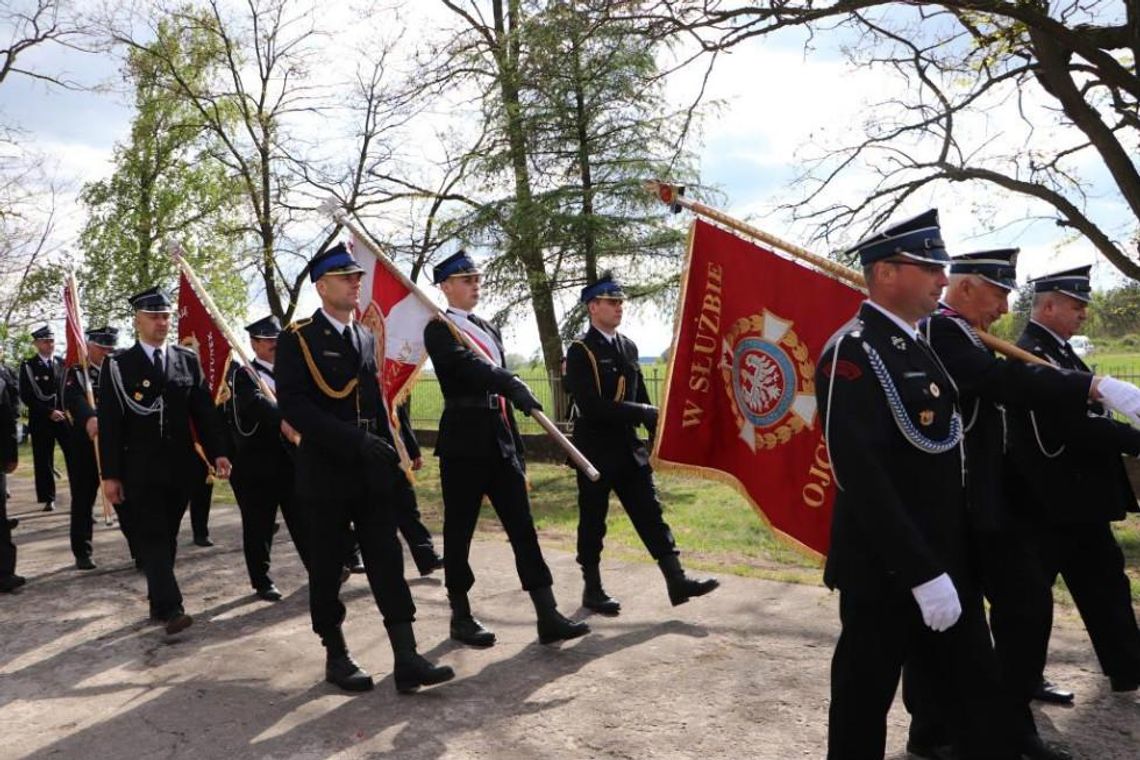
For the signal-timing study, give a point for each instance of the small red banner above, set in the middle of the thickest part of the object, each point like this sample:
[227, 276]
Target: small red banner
[740, 400]
[196, 330]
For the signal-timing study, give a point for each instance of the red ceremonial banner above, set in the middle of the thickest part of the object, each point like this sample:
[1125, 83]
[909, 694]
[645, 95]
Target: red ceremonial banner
[739, 401]
[76, 338]
[197, 330]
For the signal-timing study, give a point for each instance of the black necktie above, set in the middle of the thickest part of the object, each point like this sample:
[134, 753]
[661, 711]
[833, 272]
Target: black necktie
[348, 338]
[158, 361]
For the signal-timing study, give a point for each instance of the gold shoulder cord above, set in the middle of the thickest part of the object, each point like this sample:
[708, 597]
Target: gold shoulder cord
[318, 378]
[619, 394]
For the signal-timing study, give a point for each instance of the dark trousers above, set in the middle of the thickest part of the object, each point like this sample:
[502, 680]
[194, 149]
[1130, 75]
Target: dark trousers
[415, 533]
[882, 630]
[7, 548]
[45, 434]
[126, 527]
[156, 514]
[637, 492]
[200, 499]
[1087, 556]
[465, 482]
[258, 500]
[83, 479]
[330, 524]
[1021, 615]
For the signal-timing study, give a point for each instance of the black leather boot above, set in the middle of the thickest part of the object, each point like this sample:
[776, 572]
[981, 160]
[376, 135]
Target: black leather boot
[465, 628]
[594, 597]
[681, 587]
[552, 624]
[340, 668]
[412, 670]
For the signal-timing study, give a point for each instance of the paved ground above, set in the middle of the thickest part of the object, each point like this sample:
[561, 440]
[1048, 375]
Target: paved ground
[740, 673]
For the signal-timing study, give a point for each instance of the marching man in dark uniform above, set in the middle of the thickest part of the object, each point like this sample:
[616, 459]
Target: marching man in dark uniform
[149, 398]
[41, 380]
[481, 454]
[899, 546]
[347, 472]
[1011, 578]
[82, 468]
[610, 401]
[1073, 484]
[10, 582]
[412, 528]
[263, 478]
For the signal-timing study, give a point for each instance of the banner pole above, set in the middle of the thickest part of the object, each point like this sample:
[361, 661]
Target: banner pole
[332, 208]
[671, 196]
[81, 349]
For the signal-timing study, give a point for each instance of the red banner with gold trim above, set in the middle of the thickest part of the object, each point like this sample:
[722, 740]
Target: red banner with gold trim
[739, 402]
[196, 330]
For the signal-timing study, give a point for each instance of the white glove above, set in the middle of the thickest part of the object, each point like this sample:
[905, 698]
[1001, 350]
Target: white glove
[1120, 396]
[938, 600]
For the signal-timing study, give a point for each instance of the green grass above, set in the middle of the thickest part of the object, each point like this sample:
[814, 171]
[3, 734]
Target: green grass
[1125, 366]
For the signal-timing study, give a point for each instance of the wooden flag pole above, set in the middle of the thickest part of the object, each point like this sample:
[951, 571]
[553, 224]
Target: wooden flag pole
[672, 196]
[81, 349]
[333, 208]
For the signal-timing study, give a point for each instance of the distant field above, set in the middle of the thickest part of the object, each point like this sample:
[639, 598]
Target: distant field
[1125, 366]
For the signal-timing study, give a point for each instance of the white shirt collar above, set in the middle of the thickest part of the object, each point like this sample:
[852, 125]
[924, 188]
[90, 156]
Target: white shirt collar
[459, 311]
[46, 359]
[264, 363]
[334, 321]
[905, 326]
[149, 349]
[611, 337]
[1056, 337]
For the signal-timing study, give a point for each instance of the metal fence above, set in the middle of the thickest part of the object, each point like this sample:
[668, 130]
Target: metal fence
[427, 400]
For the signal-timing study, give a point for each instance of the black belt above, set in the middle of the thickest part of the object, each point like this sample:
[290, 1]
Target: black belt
[490, 401]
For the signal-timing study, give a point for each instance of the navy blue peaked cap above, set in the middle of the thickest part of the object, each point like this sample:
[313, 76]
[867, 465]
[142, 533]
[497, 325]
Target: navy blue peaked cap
[44, 333]
[104, 337]
[336, 260]
[266, 327]
[1072, 282]
[919, 239]
[455, 265]
[152, 300]
[607, 287]
[997, 266]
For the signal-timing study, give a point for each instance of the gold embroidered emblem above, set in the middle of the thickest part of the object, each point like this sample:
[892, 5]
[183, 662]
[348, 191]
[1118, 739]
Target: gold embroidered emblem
[138, 396]
[926, 417]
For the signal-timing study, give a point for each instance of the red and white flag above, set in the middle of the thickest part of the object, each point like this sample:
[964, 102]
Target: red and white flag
[397, 315]
[739, 401]
[76, 338]
[196, 330]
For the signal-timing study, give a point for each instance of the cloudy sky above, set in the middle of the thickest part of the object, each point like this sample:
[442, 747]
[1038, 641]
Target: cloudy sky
[778, 103]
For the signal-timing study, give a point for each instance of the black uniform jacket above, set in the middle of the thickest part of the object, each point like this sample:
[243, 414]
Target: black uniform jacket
[987, 384]
[329, 391]
[40, 384]
[260, 450]
[1067, 461]
[75, 401]
[8, 411]
[158, 447]
[894, 439]
[609, 395]
[473, 423]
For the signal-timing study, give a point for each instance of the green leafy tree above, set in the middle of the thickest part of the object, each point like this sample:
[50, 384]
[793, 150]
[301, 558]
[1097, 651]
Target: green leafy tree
[164, 188]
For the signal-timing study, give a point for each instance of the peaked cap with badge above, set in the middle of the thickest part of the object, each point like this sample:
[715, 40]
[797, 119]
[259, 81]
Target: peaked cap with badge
[918, 239]
[266, 328]
[1075, 283]
[458, 264]
[152, 301]
[104, 337]
[337, 260]
[44, 333]
[997, 266]
[607, 288]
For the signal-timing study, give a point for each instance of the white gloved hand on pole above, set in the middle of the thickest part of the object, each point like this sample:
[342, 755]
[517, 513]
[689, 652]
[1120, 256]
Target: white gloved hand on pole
[938, 600]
